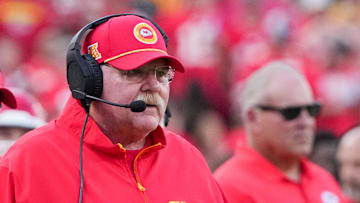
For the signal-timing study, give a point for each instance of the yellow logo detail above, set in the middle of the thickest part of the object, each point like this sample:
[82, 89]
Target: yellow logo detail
[145, 33]
[177, 202]
[93, 51]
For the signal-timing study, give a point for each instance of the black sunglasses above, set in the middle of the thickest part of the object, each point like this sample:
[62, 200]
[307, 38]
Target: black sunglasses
[292, 112]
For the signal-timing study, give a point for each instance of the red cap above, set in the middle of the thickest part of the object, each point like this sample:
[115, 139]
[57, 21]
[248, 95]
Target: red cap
[128, 42]
[6, 96]
[28, 113]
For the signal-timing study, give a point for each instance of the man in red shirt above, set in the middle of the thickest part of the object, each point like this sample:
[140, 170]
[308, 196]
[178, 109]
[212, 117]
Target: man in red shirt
[278, 114]
[96, 152]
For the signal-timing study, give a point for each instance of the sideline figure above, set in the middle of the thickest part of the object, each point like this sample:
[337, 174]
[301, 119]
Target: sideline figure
[115, 154]
[348, 157]
[278, 111]
[14, 123]
[6, 96]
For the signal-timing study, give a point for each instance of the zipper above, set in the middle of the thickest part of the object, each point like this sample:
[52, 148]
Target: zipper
[140, 186]
[122, 148]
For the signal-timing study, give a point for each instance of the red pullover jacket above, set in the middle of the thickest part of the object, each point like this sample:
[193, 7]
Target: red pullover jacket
[43, 167]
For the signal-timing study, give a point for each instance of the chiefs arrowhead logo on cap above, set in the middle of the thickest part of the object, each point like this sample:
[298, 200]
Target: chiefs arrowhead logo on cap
[145, 33]
[93, 51]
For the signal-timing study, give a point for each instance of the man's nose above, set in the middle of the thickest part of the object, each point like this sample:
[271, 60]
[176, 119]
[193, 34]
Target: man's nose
[151, 82]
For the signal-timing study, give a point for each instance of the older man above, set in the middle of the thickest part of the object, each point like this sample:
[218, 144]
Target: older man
[348, 156]
[116, 154]
[278, 112]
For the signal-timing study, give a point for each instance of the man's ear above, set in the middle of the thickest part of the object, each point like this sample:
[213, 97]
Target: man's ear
[252, 118]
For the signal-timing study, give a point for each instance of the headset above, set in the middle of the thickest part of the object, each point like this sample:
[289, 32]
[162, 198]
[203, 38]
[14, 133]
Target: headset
[83, 72]
[85, 78]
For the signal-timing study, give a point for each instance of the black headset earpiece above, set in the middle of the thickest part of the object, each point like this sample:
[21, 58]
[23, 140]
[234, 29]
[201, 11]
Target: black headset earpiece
[83, 72]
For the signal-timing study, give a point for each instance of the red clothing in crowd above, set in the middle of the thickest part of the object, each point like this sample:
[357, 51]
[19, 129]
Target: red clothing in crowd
[43, 166]
[249, 177]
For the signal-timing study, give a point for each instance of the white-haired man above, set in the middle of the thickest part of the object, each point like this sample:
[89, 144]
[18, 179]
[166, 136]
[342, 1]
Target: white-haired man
[278, 110]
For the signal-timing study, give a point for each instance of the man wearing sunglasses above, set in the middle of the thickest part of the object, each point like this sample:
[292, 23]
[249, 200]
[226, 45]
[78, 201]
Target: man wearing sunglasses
[278, 111]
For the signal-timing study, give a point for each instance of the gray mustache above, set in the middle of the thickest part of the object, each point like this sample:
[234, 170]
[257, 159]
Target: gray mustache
[153, 99]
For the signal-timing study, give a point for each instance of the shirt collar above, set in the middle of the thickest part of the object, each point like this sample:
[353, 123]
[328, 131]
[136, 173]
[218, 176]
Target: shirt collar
[72, 119]
[262, 166]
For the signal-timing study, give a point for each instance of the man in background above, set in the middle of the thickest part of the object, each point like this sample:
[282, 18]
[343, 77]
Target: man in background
[6, 96]
[278, 111]
[348, 157]
[14, 123]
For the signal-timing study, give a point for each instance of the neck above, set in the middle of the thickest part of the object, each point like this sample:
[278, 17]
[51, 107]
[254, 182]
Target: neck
[289, 165]
[291, 168]
[136, 145]
[129, 139]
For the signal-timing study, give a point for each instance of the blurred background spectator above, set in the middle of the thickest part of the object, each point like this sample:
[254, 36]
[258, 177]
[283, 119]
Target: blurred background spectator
[272, 165]
[324, 151]
[220, 42]
[348, 156]
[16, 122]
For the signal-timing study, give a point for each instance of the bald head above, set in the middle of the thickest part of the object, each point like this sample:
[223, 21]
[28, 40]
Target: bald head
[348, 156]
[351, 140]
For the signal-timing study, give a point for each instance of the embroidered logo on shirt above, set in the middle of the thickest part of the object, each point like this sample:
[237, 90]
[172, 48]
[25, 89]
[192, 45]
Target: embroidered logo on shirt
[93, 51]
[145, 33]
[329, 197]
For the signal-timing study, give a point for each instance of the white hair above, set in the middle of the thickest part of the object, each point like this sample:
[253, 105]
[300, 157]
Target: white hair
[256, 85]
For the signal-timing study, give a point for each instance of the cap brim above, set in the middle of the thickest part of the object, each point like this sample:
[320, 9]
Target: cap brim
[133, 61]
[7, 98]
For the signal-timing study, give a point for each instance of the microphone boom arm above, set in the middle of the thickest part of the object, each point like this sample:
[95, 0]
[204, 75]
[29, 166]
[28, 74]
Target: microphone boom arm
[135, 106]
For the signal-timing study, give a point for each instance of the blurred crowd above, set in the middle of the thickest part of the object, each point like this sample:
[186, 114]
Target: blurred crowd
[220, 42]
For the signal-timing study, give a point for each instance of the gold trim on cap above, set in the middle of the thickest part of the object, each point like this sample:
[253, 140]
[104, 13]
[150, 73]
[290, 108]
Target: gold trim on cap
[134, 51]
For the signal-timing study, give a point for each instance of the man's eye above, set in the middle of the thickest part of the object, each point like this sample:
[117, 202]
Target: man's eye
[161, 73]
[134, 72]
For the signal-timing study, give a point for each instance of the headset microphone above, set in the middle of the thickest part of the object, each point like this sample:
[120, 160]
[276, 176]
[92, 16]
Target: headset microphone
[135, 106]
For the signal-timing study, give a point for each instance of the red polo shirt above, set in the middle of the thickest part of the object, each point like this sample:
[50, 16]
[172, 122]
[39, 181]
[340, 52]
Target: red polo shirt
[249, 177]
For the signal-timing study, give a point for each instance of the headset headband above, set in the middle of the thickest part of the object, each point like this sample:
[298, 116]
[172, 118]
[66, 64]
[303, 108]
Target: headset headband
[75, 42]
